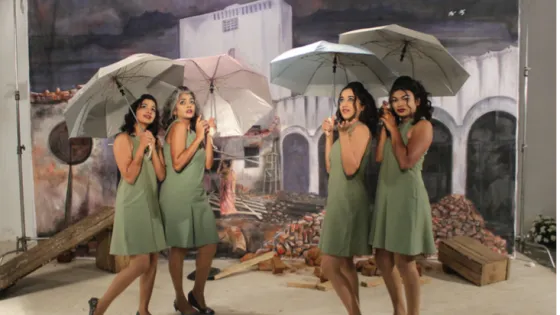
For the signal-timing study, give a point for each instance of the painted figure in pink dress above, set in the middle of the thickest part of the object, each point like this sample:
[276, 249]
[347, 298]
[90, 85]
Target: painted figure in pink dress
[227, 188]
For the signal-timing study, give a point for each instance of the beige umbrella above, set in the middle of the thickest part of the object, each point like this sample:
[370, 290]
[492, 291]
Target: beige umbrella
[412, 53]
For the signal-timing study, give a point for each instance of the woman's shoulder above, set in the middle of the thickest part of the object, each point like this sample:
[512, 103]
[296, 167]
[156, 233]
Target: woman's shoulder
[422, 124]
[122, 136]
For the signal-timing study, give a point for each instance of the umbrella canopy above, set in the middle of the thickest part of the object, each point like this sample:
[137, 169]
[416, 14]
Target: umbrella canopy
[97, 110]
[236, 111]
[227, 90]
[412, 53]
[322, 68]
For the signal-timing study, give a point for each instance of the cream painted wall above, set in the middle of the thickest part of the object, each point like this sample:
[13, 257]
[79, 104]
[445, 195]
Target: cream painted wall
[540, 161]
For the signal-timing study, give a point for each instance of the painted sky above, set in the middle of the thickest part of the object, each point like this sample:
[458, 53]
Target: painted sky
[69, 39]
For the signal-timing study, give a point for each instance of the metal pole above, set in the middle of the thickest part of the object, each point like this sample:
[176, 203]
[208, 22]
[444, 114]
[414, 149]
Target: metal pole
[21, 244]
[20, 147]
[522, 125]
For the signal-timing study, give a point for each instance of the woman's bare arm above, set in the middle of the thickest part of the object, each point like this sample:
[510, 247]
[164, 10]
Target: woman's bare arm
[129, 165]
[209, 150]
[419, 142]
[380, 145]
[158, 162]
[353, 146]
[180, 154]
[329, 139]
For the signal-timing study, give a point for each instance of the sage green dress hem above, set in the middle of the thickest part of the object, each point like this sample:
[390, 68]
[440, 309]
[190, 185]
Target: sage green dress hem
[138, 227]
[188, 218]
[402, 217]
[347, 218]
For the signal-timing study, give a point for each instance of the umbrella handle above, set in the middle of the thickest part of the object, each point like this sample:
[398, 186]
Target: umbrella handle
[149, 153]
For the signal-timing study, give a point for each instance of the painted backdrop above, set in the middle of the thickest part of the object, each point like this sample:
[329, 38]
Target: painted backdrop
[272, 193]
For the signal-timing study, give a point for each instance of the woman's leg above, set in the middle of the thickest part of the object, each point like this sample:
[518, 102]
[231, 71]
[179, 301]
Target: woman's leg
[176, 261]
[204, 259]
[332, 268]
[411, 279]
[139, 265]
[147, 285]
[351, 275]
[386, 262]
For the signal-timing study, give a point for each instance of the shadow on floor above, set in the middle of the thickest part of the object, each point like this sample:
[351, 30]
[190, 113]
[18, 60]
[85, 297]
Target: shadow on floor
[50, 280]
[228, 312]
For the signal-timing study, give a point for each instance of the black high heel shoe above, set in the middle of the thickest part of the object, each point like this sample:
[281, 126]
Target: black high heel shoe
[192, 300]
[92, 305]
[177, 309]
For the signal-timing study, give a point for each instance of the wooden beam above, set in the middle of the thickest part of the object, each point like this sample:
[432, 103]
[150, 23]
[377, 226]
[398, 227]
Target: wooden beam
[243, 266]
[41, 254]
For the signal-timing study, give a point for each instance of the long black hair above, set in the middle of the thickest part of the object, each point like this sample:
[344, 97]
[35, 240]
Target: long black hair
[130, 121]
[424, 110]
[171, 103]
[369, 116]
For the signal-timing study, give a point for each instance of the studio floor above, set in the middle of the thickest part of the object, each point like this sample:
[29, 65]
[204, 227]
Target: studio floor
[63, 289]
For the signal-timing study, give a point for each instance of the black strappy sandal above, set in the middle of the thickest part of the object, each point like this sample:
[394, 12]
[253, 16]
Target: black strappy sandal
[92, 305]
[177, 309]
[192, 300]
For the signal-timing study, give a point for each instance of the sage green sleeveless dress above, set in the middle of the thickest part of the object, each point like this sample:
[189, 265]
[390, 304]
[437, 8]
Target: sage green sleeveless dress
[138, 227]
[402, 217]
[347, 218]
[188, 218]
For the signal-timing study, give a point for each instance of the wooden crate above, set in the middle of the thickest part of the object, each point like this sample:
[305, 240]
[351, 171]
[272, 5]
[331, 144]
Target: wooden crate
[472, 260]
[106, 261]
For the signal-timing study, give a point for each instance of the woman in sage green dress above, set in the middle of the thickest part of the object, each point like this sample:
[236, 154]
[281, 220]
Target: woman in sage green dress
[188, 218]
[347, 219]
[138, 229]
[402, 220]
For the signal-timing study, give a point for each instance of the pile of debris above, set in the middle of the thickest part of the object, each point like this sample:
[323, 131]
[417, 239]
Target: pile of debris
[313, 258]
[456, 215]
[297, 237]
[49, 97]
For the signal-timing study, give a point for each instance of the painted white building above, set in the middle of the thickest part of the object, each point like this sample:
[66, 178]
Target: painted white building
[492, 86]
[254, 33]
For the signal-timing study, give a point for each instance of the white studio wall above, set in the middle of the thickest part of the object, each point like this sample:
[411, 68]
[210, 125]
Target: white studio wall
[10, 222]
[540, 159]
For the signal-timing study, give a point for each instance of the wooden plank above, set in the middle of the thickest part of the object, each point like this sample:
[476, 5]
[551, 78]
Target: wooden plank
[243, 266]
[495, 272]
[488, 254]
[302, 285]
[39, 255]
[325, 286]
[377, 281]
[460, 248]
[459, 268]
[454, 254]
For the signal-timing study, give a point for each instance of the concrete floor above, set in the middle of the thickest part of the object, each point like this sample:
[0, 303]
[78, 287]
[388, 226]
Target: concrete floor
[64, 289]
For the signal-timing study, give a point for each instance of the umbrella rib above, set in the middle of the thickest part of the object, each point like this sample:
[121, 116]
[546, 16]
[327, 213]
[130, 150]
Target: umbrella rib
[311, 78]
[201, 70]
[374, 72]
[289, 64]
[440, 68]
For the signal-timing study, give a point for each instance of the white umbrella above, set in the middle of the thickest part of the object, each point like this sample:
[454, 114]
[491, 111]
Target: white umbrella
[237, 110]
[322, 68]
[227, 90]
[98, 108]
[412, 53]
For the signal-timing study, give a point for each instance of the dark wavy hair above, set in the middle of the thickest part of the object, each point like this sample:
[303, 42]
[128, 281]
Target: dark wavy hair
[369, 116]
[130, 121]
[424, 109]
[170, 104]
